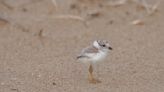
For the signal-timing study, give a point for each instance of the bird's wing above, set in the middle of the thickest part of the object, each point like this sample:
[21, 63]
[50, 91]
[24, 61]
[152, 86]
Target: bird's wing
[88, 52]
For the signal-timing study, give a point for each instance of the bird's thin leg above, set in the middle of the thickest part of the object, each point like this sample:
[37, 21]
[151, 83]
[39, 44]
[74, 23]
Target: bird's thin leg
[91, 78]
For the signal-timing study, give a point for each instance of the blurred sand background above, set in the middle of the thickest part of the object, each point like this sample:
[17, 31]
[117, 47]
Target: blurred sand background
[39, 42]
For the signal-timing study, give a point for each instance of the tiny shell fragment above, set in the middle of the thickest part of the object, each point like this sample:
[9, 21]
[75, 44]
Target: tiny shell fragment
[138, 22]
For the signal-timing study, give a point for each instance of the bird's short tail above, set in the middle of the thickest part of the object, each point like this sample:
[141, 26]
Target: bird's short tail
[78, 57]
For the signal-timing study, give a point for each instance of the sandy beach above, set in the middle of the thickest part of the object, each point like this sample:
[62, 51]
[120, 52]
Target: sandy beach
[40, 39]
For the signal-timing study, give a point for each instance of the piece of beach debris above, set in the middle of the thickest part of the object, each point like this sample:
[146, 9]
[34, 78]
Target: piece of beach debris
[53, 83]
[154, 9]
[94, 14]
[73, 6]
[138, 22]
[151, 9]
[73, 17]
[3, 22]
[117, 3]
[15, 89]
[40, 33]
[6, 5]
[41, 37]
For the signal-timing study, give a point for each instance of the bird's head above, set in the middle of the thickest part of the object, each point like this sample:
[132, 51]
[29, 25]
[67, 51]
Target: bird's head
[102, 45]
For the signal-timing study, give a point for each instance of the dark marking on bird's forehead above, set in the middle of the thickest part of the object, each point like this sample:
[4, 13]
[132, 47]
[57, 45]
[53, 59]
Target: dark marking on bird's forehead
[102, 42]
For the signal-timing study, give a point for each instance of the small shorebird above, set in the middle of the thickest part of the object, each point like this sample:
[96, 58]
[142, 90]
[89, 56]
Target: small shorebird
[94, 53]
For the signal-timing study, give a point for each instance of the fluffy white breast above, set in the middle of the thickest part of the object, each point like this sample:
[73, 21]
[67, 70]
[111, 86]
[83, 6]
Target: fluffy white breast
[98, 57]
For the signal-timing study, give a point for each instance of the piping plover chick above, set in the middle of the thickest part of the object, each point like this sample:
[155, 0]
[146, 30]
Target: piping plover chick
[93, 54]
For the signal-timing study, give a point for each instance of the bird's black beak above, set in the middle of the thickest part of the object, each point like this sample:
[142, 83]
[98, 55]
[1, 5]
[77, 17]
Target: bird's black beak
[110, 48]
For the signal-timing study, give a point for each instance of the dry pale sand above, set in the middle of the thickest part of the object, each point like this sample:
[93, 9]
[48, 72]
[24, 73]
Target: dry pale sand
[39, 42]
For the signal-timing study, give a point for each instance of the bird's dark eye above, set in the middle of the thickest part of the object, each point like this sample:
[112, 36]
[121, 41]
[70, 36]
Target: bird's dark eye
[103, 45]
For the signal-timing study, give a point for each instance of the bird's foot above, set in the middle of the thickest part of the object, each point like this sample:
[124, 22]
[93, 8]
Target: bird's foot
[94, 81]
